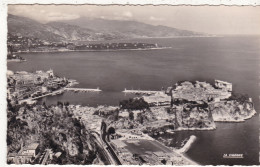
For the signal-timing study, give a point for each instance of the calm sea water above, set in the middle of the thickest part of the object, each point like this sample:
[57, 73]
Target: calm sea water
[233, 59]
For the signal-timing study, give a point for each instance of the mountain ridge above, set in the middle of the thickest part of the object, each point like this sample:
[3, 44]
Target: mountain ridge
[90, 29]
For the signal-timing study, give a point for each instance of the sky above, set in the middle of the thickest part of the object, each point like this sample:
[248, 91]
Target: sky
[207, 19]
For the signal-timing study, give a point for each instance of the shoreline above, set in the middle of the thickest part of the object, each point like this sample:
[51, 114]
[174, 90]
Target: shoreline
[173, 37]
[194, 129]
[48, 94]
[54, 93]
[15, 60]
[107, 50]
[175, 151]
[237, 121]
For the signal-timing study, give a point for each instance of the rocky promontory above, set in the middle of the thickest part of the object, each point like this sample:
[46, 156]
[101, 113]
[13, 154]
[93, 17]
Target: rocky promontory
[232, 111]
[218, 102]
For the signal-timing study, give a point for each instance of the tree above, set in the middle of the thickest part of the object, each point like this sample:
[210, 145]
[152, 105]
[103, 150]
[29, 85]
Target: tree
[60, 104]
[111, 130]
[116, 114]
[67, 103]
[131, 115]
[163, 161]
[140, 118]
[134, 104]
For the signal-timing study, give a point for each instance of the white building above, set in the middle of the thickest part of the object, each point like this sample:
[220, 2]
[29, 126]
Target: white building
[50, 72]
[223, 85]
[25, 155]
[31, 149]
[160, 155]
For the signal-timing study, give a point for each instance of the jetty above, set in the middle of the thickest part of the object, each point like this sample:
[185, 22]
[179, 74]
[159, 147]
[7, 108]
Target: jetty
[140, 91]
[31, 100]
[57, 92]
[82, 90]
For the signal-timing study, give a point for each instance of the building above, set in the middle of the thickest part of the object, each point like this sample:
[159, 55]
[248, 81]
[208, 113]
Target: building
[168, 91]
[25, 155]
[50, 73]
[117, 144]
[160, 155]
[124, 114]
[31, 149]
[223, 85]
[11, 157]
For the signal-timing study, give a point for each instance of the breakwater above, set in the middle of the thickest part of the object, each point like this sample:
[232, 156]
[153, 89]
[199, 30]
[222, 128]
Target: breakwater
[140, 91]
[82, 90]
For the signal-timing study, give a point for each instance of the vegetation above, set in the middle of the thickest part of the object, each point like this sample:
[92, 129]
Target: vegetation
[131, 115]
[241, 98]
[53, 128]
[178, 102]
[140, 118]
[134, 104]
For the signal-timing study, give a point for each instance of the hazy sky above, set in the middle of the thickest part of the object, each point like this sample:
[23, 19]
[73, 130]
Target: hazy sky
[207, 19]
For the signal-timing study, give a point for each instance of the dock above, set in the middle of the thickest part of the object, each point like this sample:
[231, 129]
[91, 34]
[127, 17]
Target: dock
[57, 92]
[141, 91]
[82, 90]
[31, 100]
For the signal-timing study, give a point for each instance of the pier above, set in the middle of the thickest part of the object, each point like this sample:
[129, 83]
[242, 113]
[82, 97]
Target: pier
[60, 91]
[30, 100]
[82, 90]
[141, 91]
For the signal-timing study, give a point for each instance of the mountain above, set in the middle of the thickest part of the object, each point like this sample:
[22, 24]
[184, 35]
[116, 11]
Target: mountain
[22, 26]
[73, 32]
[130, 29]
[87, 29]
[54, 31]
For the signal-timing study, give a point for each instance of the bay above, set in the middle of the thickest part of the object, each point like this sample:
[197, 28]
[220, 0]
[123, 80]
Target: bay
[234, 59]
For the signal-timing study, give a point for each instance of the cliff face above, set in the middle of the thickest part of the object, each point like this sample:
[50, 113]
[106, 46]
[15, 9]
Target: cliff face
[52, 127]
[193, 117]
[232, 111]
[223, 105]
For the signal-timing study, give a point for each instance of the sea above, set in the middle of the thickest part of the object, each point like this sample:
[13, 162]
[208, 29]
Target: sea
[235, 59]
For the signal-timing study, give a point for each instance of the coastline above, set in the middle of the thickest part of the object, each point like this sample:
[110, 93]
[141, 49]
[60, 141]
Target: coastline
[186, 158]
[48, 94]
[175, 151]
[199, 36]
[237, 121]
[15, 60]
[108, 50]
[193, 129]
[56, 92]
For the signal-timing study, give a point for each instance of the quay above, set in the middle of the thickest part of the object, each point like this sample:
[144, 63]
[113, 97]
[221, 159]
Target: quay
[82, 90]
[57, 92]
[141, 91]
[31, 100]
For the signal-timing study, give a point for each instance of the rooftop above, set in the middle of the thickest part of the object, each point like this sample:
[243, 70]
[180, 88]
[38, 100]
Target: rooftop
[222, 81]
[32, 146]
[159, 153]
[119, 143]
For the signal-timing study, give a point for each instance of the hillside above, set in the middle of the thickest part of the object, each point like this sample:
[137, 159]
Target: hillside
[73, 32]
[130, 29]
[54, 31]
[22, 26]
[86, 29]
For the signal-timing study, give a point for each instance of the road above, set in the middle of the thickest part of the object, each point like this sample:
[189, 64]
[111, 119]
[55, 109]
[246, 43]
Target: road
[109, 148]
[101, 151]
